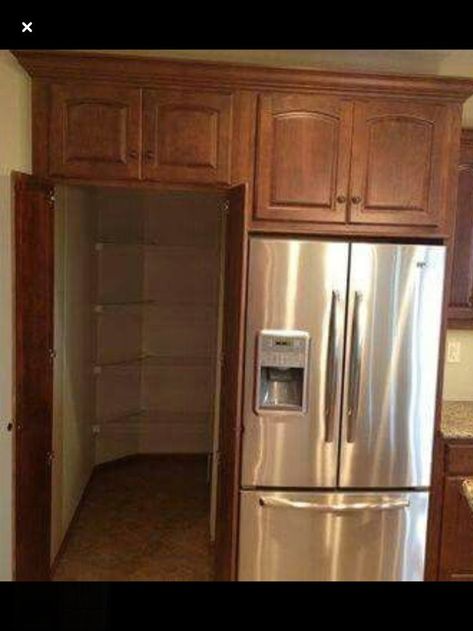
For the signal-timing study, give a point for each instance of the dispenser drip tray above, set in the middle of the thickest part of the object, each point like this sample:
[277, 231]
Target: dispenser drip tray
[281, 388]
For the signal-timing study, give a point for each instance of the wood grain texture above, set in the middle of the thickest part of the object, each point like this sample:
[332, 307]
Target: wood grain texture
[231, 388]
[157, 72]
[303, 158]
[187, 136]
[456, 549]
[460, 311]
[400, 156]
[202, 144]
[34, 299]
[95, 131]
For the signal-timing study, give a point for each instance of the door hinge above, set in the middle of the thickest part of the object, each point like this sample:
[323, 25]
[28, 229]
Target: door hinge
[51, 199]
[226, 207]
[50, 457]
[52, 354]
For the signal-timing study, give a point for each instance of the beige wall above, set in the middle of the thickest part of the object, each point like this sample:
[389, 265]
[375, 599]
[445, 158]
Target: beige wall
[74, 389]
[15, 154]
[458, 384]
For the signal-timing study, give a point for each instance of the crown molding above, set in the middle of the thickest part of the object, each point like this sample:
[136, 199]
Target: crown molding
[153, 72]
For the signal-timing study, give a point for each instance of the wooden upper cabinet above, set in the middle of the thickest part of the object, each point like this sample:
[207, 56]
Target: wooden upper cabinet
[460, 311]
[303, 158]
[95, 131]
[187, 136]
[400, 163]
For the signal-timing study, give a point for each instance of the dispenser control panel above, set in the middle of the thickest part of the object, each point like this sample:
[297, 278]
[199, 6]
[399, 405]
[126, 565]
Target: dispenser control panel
[282, 359]
[285, 351]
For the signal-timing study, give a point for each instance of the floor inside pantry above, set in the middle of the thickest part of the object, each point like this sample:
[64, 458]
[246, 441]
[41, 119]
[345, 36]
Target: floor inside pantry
[142, 519]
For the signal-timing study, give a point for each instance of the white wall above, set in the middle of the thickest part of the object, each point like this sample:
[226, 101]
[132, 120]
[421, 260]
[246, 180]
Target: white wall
[15, 154]
[74, 389]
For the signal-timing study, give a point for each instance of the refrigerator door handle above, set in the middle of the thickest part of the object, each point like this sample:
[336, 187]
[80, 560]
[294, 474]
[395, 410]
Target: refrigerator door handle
[280, 502]
[355, 361]
[331, 370]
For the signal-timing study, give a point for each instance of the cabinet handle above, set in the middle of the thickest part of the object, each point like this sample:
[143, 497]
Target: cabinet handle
[149, 155]
[341, 199]
[133, 154]
[355, 199]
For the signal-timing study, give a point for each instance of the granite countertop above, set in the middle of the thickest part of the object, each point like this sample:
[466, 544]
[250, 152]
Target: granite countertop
[467, 487]
[457, 419]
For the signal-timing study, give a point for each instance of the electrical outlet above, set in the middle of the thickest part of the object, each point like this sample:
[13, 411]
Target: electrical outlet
[453, 352]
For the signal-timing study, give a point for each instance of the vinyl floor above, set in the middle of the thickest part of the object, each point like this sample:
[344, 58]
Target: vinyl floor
[142, 520]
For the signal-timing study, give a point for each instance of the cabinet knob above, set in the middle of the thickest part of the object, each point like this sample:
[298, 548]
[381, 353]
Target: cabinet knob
[355, 199]
[133, 154]
[149, 155]
[341, 199]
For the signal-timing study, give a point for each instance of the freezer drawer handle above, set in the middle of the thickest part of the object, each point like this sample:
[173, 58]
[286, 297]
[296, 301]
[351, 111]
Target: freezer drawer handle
[332, 370]
[280, 502]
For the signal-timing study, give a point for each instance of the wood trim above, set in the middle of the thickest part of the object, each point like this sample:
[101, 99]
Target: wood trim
[345, 230]
[152, 72]
[231, 398]
[434, 526]
[434, 523]
[33, 378]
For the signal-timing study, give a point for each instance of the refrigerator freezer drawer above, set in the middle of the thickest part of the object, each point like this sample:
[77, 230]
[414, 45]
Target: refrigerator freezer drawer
[354, 536]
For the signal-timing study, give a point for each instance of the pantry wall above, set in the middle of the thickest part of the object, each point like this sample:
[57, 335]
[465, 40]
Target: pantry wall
[138, 302]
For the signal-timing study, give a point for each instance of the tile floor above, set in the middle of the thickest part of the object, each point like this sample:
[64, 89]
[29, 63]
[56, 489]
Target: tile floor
[144, 519]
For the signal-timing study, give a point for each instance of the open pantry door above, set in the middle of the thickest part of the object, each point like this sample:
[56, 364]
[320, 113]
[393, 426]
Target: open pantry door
[225, 480]
[33, 385]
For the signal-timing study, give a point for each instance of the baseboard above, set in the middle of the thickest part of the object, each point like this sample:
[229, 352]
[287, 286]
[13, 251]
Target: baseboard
[75, 516]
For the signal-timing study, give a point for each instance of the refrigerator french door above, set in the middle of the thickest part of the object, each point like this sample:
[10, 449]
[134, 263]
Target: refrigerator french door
[341, 363]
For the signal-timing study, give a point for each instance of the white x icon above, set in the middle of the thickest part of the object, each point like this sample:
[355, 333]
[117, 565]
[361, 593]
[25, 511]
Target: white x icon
[27, 27]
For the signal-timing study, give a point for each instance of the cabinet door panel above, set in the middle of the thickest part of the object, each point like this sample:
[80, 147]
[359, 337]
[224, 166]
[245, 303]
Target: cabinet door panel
[303, 158]
[398, 176]
[456, 550]
[95, 131]
[187, 136]
[461, 295]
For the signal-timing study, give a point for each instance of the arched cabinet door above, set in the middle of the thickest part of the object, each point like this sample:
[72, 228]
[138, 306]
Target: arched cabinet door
[400, 164]
[303, 158]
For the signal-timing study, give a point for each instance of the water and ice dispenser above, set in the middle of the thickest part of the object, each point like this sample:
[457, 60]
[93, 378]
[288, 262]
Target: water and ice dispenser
[281, 371]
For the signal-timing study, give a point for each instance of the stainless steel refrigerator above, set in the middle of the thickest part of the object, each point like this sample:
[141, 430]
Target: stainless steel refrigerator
[341, 363]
